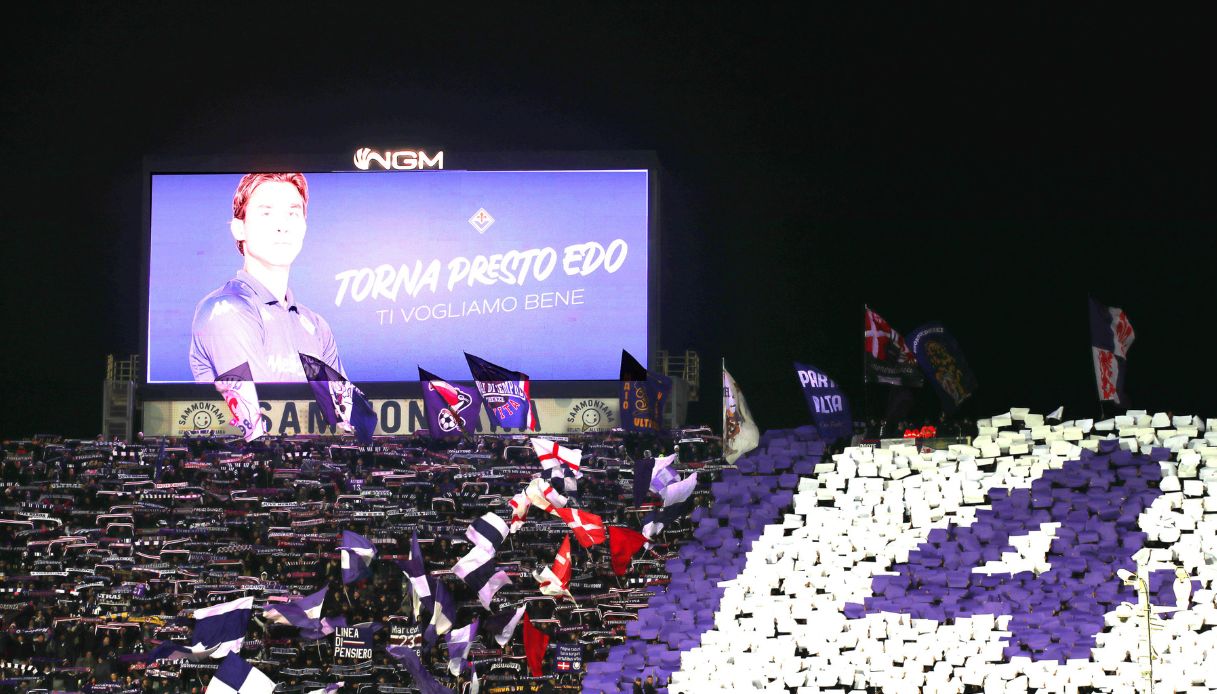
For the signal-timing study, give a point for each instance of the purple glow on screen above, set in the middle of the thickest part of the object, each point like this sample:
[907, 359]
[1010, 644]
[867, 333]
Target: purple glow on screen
[541, 271]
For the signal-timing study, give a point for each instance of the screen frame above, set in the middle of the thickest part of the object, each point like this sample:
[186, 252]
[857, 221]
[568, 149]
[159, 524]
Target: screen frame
[453, 161]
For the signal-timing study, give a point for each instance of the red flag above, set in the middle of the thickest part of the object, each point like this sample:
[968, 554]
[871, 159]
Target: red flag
[535, 643]
[624, 544]
[588, 527]
[561, 565]
[555, 580]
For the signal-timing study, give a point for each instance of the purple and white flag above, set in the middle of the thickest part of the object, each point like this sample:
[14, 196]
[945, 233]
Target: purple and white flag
[422, 678]
[303, 612]
[487, 532]
[477, 569]
[218, 631]
[420, 582]
[357, 554]
[501, 626]
[663, 474]
[459, 641]
[235, 676]
[442, 617]
[677, 502]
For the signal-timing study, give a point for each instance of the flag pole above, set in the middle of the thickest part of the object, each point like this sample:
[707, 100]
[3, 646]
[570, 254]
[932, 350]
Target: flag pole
[865, 390]
[723, 391]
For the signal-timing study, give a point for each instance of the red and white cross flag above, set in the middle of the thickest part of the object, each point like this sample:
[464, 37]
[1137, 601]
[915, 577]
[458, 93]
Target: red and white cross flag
[588, 527]
[551, 454]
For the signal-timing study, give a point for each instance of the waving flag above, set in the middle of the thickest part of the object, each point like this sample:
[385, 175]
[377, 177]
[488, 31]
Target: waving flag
[543, 496]
[487, 532]
[459, 641]
[241, 395]
[218, 630]
[740, 434]
[561, 462]
[443, 615]
[341, 403]
[588, 527]
[235, 676]
[425, 682]
[505, 394]
[624, 544]
[942, 361]
[452, 409]
[677, 503]
[325, 626]
[827, 402]
[1111, 335]
[887, 359]
[304, 613]
[535, 644]
[420, 582]
[328, 689]
[519, 504]
[477, 569]
[643, 471]
[501, 626]
[555, 580]
[644, 395]
[663, 474]
[357, 554]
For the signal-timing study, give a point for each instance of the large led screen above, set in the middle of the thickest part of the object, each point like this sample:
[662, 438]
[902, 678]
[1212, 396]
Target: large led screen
[544, 272]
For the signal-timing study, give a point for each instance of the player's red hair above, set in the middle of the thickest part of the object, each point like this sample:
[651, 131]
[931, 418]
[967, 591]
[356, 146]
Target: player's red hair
[249, 182]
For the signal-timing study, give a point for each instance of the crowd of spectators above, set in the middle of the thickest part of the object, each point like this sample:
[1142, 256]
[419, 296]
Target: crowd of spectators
[108, 548]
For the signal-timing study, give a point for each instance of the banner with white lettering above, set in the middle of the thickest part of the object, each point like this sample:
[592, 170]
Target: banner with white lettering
[514, 264]
[828, 404]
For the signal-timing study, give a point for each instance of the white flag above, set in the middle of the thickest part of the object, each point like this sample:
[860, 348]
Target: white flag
[740, 434]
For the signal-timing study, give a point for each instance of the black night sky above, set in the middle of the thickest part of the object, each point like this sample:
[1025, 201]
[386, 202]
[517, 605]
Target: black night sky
[984, 169]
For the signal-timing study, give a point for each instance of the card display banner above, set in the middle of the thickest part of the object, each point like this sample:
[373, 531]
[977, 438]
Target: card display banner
[827, 402]
[943, 363]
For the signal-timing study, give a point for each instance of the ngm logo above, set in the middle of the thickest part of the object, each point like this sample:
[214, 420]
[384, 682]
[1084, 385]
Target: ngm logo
[401, 160]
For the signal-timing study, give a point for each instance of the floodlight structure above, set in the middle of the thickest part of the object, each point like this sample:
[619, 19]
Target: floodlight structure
[1183, 593]
[1144, 609]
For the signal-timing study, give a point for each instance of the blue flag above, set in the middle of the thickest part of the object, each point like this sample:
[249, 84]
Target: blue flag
[452, 409]
[340, 401]
[505, 394]
[943, 363]
[828, 404]
[644, 395]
